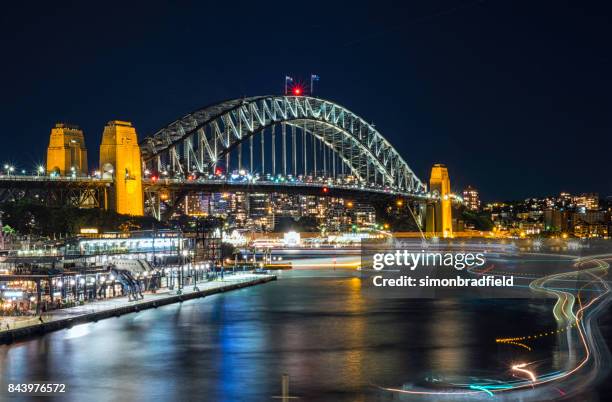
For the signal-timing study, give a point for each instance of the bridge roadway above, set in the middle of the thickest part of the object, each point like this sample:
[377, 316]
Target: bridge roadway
[261, 186]
[42, 182]
[22, 182]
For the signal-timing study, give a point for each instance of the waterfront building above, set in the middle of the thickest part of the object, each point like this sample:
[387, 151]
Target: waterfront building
[556, 220]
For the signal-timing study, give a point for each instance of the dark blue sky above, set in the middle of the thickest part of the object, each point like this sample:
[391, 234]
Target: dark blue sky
[514, 96]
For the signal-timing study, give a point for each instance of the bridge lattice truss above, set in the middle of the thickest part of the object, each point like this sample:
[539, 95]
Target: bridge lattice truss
[333, 141]
[77, 192]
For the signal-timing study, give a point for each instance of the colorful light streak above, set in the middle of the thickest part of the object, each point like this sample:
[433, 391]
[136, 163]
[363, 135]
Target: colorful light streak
[578, 322]
[521, 368]
[522, 345]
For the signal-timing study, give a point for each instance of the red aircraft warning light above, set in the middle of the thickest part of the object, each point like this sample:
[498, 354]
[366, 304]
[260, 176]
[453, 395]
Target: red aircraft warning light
[325, 189]
[297, 91]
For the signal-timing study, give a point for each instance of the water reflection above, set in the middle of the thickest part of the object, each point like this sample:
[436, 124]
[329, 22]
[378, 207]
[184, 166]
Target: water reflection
[314, 325]
[448, 330]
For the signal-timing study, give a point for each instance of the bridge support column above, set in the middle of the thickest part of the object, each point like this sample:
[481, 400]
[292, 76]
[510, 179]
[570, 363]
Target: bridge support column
[153, 202]
[439, 214]
[419, 211]
[120, 159]
[67, 154]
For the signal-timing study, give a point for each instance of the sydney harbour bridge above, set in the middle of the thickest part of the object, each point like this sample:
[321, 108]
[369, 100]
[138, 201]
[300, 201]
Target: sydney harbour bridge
[292, 144]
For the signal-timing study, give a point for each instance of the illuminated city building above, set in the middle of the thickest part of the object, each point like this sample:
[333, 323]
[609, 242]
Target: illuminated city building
[590, 223]
[120, 160]
[589, 202]
[311, 205]
[197, 204]
[596, 229]
[530, 228]
[67, 154]
[565, 200]
[260, 212]
[363, 215]
[565, 215]
[219, 204]
[238, 209]
[285, 205]
[337, 218]
[471, 199]
[557, 220]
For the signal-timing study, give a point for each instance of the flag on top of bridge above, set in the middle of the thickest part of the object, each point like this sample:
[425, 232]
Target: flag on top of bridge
[287, 81]
[313, 78]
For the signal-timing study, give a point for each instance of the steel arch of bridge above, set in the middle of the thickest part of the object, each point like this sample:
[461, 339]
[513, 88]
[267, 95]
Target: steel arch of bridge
[200, 140]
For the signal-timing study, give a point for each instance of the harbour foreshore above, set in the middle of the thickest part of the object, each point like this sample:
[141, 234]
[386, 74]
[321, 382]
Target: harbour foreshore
[114, 307]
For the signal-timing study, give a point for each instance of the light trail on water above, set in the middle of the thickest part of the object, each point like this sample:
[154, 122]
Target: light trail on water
[563, 311]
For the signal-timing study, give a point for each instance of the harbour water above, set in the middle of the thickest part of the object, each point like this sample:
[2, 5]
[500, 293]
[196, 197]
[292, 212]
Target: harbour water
[314, 325]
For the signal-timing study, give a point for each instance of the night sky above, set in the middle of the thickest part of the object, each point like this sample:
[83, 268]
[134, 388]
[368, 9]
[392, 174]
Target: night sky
[514, 96]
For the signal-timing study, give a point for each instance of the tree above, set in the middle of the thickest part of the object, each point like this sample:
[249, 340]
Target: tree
[480, 222]
[303, 224]
[228, 250]
[30, 218]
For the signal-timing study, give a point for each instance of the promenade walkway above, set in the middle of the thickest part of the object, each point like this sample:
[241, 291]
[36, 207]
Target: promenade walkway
[104, 308]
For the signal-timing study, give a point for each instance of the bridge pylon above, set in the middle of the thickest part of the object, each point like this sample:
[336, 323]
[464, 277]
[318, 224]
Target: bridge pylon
[66, 153]
[439, 220]
[120, 160]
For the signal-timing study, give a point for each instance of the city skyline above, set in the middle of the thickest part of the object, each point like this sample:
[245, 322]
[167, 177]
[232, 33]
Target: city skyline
[462, 122]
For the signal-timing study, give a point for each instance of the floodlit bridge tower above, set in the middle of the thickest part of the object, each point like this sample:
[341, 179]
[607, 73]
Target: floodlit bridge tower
[67, 154]
[120, 160]
[439, 214]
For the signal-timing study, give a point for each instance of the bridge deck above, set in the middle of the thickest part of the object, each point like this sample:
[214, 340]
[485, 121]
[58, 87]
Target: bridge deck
[322, 189]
